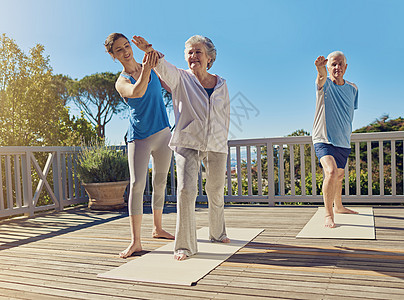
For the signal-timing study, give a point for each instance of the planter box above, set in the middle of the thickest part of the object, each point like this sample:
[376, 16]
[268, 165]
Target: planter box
[106, 195]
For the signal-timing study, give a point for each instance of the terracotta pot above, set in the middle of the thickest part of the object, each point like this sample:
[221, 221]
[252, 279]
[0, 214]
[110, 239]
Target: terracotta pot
[106, 195]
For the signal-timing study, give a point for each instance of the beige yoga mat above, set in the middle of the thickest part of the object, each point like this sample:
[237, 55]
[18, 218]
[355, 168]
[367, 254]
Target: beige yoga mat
[159, 266]
[348, 226]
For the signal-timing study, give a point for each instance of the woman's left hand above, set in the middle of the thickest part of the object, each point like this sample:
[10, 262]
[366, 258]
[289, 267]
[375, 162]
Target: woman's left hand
[142, 44]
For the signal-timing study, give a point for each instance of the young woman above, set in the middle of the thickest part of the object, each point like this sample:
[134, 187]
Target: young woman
[148, 134]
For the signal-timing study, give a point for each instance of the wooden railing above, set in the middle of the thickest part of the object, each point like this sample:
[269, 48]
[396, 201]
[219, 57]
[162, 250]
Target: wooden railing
[374, 172]
[34, 179]
[27, 187]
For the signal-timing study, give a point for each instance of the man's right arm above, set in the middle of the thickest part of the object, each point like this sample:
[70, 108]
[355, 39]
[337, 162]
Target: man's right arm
[320, 63]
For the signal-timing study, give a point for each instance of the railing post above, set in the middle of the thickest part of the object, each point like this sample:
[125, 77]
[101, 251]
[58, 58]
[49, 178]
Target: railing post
[393, 169]
[369, 158]
[172, 178]
[239, 179]
[381, 167]
[1, 188]
[57, 180]
[271, 183]
[27, 182]
[229, 183]
[313, 171]
[357, 168]
[302, 170]
[17, 181]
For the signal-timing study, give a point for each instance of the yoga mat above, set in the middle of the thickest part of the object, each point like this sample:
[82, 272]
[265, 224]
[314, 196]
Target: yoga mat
[348, 226]
[159, 266]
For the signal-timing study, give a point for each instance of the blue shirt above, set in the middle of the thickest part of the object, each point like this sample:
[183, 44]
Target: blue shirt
[335, 105]
[148, 114]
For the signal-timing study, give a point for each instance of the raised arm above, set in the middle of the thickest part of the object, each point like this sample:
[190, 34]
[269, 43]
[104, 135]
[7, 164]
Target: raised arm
[128, 90]
[142, 44]
[169, 73]
[320, 63]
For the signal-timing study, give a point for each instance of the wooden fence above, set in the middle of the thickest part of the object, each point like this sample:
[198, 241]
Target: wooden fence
[34, 179]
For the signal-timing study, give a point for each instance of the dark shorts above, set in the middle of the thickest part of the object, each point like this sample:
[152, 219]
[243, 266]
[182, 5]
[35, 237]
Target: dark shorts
[340, 154]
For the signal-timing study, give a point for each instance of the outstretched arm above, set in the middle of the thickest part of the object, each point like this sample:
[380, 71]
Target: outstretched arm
[320, 63]
[167, 72]
[128, 90]
[142, 44]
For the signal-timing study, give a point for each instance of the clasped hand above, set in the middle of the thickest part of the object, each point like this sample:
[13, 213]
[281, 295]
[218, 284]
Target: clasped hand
[150, 59]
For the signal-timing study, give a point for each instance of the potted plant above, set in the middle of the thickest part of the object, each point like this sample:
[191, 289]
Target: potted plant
[104, 173]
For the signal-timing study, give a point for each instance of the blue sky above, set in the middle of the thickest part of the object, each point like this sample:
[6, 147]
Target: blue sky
[266, 50]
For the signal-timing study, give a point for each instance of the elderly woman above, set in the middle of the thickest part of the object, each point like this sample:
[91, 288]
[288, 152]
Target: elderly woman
[148, 134]
[202, 115]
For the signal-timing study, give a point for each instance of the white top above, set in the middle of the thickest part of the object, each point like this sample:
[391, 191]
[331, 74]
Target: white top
[201, 123]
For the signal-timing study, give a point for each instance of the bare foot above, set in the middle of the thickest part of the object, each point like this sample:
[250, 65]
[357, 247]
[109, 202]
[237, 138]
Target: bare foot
[180, 255]
[162, 234]
[329, 222]
[132, 248]
[344, 210]
[226, 240]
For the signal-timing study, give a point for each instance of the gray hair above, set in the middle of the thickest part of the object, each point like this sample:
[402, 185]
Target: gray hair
[334, 54]
[209, 46]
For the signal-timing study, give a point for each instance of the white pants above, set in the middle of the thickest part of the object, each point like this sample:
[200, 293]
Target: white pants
[139, 152]
[188, 163]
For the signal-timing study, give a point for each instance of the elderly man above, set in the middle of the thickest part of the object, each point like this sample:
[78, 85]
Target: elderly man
[335, 104]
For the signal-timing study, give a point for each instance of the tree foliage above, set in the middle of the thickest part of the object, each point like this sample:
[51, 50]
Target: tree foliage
[32, 100]
[96, 96]
[383, 124]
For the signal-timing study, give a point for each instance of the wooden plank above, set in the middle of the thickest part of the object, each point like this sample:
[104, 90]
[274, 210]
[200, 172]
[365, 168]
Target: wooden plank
[302, 170]
[238, 159]
[69, 178]
[370, 172]
[292, 168]
[259, 170]
[1, 186]
[249, 178]
[17, 181]
[13, 292]
[313, 171]
[346, 178]
[9, 187]
[357, 168]
[381, 167]
[228, 175]
[270, 174]
[98, 288]
[393, 168]
[172, 177]
[281, 170]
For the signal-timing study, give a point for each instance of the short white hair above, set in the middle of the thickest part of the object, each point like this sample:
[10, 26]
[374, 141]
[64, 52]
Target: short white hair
[209, 46]
[334, 54]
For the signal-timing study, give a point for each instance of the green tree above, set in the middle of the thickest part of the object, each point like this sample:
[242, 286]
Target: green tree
[382, 124]
[32, 100]
[97, 97]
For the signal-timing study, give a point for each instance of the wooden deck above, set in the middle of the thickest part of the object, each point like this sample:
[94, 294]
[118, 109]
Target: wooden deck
[58, 255]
